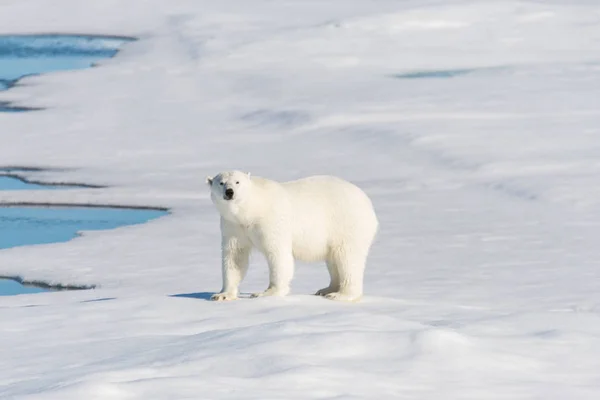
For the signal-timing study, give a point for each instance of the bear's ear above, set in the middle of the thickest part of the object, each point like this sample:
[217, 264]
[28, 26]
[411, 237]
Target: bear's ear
[209, 181]
[248, 174]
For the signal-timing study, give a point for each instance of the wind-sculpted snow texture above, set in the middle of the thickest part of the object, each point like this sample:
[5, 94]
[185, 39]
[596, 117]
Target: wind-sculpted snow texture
[472, 125]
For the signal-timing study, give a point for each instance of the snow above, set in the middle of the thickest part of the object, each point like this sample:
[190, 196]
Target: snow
[484, 280]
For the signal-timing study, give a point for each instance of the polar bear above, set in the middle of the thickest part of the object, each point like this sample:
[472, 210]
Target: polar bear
[319, 218]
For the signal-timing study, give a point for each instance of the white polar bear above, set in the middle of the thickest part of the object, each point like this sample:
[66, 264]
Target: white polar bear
[319, 218]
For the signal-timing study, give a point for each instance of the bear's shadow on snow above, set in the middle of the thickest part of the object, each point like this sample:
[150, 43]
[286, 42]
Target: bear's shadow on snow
[198, 295]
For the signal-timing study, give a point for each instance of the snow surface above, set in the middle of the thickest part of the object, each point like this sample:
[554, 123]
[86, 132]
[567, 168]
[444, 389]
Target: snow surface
[483, 283]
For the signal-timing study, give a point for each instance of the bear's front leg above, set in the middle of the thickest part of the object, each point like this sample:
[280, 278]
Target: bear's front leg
[235, 254]
[281, 272]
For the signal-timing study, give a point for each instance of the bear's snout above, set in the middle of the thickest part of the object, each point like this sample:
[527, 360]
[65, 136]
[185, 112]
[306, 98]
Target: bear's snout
[228, 194]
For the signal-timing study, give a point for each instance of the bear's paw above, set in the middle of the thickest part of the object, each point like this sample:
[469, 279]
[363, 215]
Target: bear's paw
[339, 296]
[223, 297]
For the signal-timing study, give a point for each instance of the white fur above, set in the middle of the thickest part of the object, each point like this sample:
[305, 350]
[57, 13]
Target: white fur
[319, 218]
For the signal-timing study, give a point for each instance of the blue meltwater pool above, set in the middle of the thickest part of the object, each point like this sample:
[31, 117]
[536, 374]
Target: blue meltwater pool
[22, 55]
[21, 226]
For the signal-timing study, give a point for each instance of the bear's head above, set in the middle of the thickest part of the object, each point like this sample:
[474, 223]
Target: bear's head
[229, 187]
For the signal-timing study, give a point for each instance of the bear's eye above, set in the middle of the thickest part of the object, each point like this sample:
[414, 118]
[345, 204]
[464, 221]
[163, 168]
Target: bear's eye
[221, 183]
[237, 183]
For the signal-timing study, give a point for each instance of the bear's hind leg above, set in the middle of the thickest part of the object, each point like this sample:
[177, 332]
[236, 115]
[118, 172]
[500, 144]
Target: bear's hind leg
[334, 283]
[350, 266]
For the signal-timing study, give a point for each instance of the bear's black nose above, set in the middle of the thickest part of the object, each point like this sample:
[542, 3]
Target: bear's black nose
[228, 194]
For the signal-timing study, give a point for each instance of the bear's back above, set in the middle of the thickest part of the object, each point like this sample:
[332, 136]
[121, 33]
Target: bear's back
[327, 210]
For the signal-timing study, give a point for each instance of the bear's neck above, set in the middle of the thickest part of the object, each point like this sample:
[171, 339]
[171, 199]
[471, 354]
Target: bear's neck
[245, 213]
